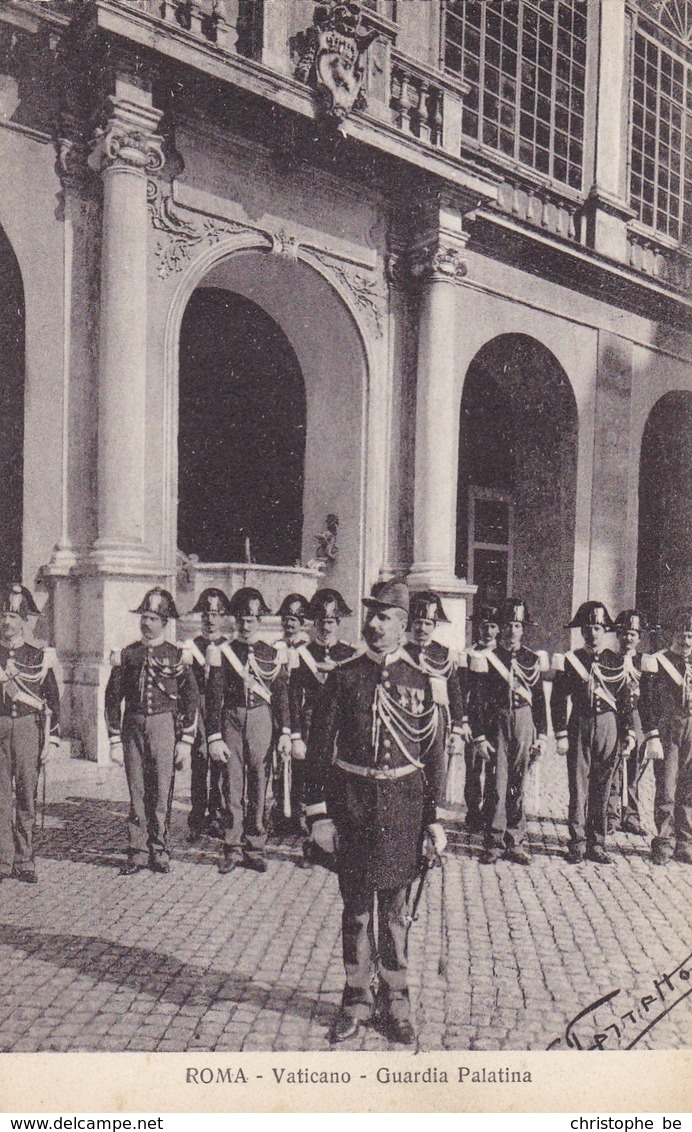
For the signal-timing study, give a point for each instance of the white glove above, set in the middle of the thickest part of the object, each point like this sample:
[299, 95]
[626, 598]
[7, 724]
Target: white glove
[117, 754]
[654, 750]
[540, 746]
[218, 751]
[284, 746]
[466, 734]
[455, 746]
[628, 746]
[562, 745]
[435, 841]
[484, 749]
[325, 836]
[297, 749]
[182, 755]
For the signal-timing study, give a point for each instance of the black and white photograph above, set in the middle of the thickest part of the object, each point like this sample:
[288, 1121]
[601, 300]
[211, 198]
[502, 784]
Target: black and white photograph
[346, 531]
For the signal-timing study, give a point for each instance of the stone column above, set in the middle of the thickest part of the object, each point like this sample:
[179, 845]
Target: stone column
[607, 210]
[128, 150]
[437, 264]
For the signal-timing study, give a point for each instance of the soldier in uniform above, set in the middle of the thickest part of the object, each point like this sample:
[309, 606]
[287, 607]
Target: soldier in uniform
[293, 612]
[441, 664]
[29, 707]
[205, 777]
[158, 728]
[629, 626]
[508, 718]
[314, 662]
[247, 696]
[479, 770]
[666, 712]
[375, 771]
[600, 729]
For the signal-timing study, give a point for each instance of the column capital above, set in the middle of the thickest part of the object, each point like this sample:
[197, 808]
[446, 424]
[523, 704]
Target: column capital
[438, 260]
[129, 140]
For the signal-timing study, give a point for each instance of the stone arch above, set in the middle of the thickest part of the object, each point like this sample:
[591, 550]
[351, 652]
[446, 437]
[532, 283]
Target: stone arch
[516, 501]
[664, 549]
[324, 326]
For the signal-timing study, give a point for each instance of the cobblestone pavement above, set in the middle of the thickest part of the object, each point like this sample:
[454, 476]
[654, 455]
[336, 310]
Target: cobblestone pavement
[502, 957]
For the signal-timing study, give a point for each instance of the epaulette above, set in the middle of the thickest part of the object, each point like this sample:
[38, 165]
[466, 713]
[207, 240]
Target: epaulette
[453, 656]
[463, 659]
[558, 661]
[214, 656]
[543, 660]
[478, 662]
[116, 657]
[49, 657]
[649, 663]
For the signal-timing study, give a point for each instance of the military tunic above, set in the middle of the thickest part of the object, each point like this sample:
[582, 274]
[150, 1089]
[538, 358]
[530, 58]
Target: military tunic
[631, 766]
[161, 699]
[28, 698]
[509, 711]
[375, 765]
[600, 720]
[307, 675]
[205, 774]
[666, 713]
[478, 790]
[246, 698]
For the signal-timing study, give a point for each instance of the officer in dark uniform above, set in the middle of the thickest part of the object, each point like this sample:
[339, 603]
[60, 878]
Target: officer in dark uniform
[600, 729]
[441, 664]
[508, 719]
[247, 697]
[205, 813]
[479, 770]
[29, 710]
[629, 626]
[314, 661]
[666, 713]
[158, 728]
[375, 771]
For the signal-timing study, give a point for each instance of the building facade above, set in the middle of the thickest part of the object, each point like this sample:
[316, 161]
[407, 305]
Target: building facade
[421, 266]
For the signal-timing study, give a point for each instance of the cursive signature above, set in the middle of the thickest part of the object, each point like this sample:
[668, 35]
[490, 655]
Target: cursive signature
[603, 1025]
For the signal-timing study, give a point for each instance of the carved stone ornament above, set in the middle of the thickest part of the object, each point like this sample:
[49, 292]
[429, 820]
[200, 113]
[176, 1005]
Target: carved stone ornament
[438, 262]
[364, 290]
[129, 139]
[181, 237]
[331, 59]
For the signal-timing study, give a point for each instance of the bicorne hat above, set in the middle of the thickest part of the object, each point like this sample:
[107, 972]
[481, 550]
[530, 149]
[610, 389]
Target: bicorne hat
[158, 601]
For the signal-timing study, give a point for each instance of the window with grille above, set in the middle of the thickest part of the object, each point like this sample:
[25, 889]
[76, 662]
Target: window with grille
[527, 66]
[661, 132]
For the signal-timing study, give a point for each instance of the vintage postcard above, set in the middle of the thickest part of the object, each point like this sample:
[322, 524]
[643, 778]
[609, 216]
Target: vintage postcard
[345, 544]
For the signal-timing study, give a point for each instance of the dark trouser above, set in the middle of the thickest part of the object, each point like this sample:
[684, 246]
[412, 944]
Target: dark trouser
[365, 960]
[591, 760]
[248, 734]
[512, 741]
[149, 745]
[673, 779]
[205, 799]
[618, 813]
[478, 788]
[20, 756]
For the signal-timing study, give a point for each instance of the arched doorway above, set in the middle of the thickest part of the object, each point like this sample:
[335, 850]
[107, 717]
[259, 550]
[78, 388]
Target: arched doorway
[516, 501]
[664, 558]
[12, 331]
[241, 438]
[300, 373]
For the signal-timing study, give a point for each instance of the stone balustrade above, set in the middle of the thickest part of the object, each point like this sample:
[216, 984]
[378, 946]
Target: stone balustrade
[667, 263]
[540, 206]
[210, 21]
[416, 103]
